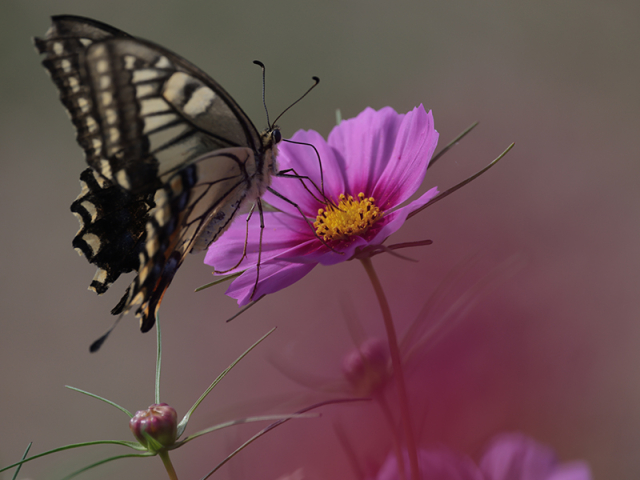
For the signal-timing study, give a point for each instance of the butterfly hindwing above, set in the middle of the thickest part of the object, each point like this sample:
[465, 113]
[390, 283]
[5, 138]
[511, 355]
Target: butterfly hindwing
[112, 225]
[194, 207]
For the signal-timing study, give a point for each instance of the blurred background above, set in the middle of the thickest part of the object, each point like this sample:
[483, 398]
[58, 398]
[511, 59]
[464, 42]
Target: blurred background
[553, 350]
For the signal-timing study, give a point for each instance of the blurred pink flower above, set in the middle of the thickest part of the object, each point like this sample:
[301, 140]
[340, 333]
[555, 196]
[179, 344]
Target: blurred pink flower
[372, 164]
[514, 456]
[366, 368]
[511, 456]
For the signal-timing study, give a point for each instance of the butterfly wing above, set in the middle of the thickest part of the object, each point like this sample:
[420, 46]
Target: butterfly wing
[112, 224]
[149, 121]
[194, 207]
[140, 110]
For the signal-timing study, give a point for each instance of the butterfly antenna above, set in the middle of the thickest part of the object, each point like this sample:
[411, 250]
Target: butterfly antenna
[264, 101]
[316, 82]
[95, 346]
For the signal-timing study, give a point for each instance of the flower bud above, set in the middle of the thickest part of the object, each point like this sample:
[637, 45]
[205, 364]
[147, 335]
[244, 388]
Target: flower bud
[156, 427]
[367, 367]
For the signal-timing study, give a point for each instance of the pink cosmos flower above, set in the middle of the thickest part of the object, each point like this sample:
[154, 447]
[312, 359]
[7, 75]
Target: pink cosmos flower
[514, 456]
[372, 164]
[510, 456]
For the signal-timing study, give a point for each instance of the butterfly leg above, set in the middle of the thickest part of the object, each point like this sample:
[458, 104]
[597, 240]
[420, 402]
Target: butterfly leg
[321, 189]
[285, 174]
[246, 241]
[255, 285]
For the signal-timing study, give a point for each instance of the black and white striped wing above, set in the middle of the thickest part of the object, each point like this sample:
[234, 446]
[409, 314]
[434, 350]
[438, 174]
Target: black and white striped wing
[140, 111]
[172, 155]
[194, 207]
[112, 225]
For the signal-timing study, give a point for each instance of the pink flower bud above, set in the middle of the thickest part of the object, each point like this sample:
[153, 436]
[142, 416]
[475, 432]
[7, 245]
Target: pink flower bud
[156, 427]
[367, 368]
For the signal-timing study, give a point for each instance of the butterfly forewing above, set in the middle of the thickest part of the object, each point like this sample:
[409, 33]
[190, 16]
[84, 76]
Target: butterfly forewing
[172, 155]
[64, 47]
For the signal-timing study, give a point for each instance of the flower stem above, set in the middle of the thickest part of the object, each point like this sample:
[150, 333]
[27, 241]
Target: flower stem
[164, 456]
[397, 368]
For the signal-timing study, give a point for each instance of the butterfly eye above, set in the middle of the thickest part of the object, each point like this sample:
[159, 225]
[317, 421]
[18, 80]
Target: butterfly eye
[277, 136]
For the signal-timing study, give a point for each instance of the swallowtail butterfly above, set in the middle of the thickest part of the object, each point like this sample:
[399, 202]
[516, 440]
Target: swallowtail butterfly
[172, 157]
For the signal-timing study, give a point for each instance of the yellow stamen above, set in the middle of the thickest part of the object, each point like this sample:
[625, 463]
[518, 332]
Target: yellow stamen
[350, 217]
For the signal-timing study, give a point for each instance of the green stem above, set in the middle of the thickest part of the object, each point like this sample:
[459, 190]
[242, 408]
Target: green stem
[164, 456]
[397, 368]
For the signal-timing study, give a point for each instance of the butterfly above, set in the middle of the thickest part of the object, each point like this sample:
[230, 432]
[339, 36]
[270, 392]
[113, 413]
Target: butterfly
[172, 157]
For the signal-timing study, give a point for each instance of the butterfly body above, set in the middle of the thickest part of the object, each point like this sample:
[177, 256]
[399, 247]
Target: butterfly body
[172, 156]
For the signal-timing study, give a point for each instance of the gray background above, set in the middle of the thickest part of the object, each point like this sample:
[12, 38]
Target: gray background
[552, 351]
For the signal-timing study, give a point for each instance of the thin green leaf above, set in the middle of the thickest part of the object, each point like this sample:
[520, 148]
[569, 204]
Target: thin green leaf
[274, 425]
[244, 309]
[24, 455]
[216, 282]
[183, 423]
[134, 445]
[158, 357]
[338, 116]
[106, 460]
[153, 445]
[451, 144]
[231, 423]
[102, 399]
[460, 185]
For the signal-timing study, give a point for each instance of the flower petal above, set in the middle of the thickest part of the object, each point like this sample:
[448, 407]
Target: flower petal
[282, 232]
[346, 251]
[405, 169]
[517, 457]
[304, 160]
[274, 276]
[440, 464]
[366, 143]
[396, 219]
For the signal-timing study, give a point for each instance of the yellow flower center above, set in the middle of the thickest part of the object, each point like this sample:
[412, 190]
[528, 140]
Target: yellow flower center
[350, 217]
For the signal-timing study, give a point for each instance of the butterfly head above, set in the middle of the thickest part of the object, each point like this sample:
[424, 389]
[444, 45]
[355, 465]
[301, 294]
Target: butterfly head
[270, 139]
[276, 136]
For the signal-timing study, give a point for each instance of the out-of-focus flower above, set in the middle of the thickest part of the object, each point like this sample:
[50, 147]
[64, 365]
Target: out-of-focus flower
[372, 164]
[367, 368]
[514, 456]
[511, 456]
[437, 464]
[297, 475]
[156, 427]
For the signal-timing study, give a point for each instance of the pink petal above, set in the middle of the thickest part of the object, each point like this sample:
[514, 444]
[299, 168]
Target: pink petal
[396, 219]
[273, 277]
[327, 257]
[572, 471]
[406, 166]
[366, 143]
[517, 457]
[304, 160]
[440, 464]
[282, 232]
